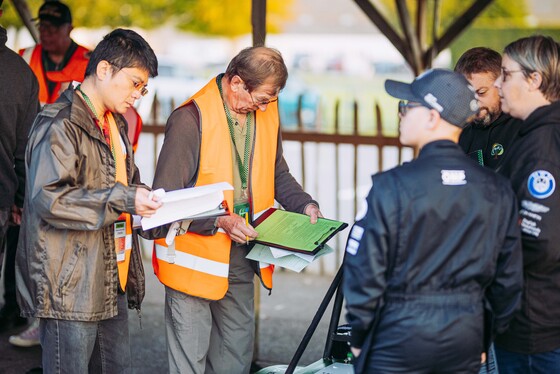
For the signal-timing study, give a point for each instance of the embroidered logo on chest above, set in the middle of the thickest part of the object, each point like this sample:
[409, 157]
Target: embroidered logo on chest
[497, 150]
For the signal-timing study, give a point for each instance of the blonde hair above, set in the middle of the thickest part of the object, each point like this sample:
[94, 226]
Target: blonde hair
[539, 54]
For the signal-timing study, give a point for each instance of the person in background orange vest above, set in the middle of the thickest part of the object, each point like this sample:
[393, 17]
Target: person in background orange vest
[57, 60]
[228, 131]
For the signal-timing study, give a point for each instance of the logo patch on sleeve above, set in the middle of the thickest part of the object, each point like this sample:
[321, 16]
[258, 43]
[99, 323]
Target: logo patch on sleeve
[357, 232]
[541, 184]
[352, 246]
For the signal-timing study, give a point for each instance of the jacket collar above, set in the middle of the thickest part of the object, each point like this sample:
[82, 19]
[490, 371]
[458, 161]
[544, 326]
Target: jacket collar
[81, 116]
[542, 116]
[440, 148]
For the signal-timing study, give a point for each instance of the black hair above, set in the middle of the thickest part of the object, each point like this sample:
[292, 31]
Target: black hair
[124, 49]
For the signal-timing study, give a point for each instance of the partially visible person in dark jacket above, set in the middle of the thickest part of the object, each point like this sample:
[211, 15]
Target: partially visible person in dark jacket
[19, 103]
[76, 256]
[439, 237]
[489, 136]
[530, 90]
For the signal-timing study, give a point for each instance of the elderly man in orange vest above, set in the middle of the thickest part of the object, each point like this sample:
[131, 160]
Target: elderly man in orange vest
[228, 131]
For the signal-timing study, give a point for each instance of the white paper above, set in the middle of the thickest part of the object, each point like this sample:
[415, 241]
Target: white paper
[187, 202]
[292, 262]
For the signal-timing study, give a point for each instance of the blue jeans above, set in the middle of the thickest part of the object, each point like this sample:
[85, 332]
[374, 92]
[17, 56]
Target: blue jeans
[81, 347]
[519, 363]
[490, 366]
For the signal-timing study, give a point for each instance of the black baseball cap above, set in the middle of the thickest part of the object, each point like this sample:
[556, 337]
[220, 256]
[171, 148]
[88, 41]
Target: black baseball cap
[55, 12]
[444, 90]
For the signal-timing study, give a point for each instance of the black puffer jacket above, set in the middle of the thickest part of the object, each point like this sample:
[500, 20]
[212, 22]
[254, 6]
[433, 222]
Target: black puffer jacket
[440, 235]
[19, 103]
[534, 170]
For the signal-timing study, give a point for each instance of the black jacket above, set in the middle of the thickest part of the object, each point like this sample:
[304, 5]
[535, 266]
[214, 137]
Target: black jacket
[491, 142]
[19, 103]
[534, 170]
[440, 234]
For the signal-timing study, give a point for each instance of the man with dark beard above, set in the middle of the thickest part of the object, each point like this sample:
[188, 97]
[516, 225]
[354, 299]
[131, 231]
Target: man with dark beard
[487, 139]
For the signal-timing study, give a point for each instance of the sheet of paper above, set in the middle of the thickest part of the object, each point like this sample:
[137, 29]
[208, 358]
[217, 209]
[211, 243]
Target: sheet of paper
[292, 262]
[294, 230]
[186, 203]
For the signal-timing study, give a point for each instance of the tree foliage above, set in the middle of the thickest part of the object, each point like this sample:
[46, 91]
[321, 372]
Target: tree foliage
[225, 18]
[500, 13]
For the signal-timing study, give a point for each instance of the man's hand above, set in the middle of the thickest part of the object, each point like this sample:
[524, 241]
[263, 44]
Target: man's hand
[313, 211]
[355, 351]
[483, 358]
[145, 204]
[234, 225]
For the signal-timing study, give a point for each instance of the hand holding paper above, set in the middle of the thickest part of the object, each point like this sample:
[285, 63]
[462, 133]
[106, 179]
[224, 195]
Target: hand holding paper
[188, 203]
[144, 204]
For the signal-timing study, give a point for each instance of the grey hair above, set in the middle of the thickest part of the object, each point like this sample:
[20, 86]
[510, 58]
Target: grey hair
[539, 54]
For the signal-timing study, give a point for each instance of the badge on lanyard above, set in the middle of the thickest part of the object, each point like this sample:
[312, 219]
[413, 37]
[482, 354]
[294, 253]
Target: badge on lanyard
[241, 209]
[120, 239]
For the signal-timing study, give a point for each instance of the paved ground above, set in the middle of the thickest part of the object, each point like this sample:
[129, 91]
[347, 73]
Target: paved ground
[284, 318]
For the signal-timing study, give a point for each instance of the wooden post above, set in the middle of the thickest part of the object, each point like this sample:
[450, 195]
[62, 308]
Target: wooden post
[258, 21]
[25, 14]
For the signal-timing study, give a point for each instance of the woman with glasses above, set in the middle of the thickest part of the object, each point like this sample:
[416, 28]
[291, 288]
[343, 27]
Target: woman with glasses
[529, 88]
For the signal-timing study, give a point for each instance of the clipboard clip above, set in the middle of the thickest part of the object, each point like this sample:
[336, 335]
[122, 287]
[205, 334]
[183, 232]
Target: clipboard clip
[175, 229]
[322, 239]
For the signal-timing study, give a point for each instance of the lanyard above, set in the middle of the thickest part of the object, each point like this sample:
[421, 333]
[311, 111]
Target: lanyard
[242, 166]
[103, 126]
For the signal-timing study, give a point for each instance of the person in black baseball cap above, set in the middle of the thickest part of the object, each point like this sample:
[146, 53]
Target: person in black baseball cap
[444, 95]
[438, 239]
[55, 12]
[57, 60]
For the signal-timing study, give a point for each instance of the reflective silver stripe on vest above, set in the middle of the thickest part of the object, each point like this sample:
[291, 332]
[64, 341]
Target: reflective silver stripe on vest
[192, 262]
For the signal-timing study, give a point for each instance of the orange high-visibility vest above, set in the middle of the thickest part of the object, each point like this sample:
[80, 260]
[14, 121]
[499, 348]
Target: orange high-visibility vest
[123, 259]
[74, 70]
[199, 265]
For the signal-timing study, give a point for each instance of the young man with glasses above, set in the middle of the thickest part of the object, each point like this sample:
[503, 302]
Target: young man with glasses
[529, 88]
[228, 131]
[78, 263]
[438, 240]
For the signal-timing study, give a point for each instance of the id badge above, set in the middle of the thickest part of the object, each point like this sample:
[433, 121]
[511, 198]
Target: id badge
[120, 239]
[241, 209]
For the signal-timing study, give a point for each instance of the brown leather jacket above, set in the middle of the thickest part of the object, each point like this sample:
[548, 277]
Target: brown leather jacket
[66, 265]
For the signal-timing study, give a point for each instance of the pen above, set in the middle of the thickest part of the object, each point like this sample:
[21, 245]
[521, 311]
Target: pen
[247, 225]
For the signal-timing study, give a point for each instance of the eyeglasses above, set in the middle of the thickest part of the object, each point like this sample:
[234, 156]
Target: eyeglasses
[404, 106]
[507, 73]
[138, 86]
[263, 102]
[259, 102]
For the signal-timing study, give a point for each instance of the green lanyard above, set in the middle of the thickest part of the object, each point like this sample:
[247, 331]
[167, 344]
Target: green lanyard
[243, 166]
[90, 105]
